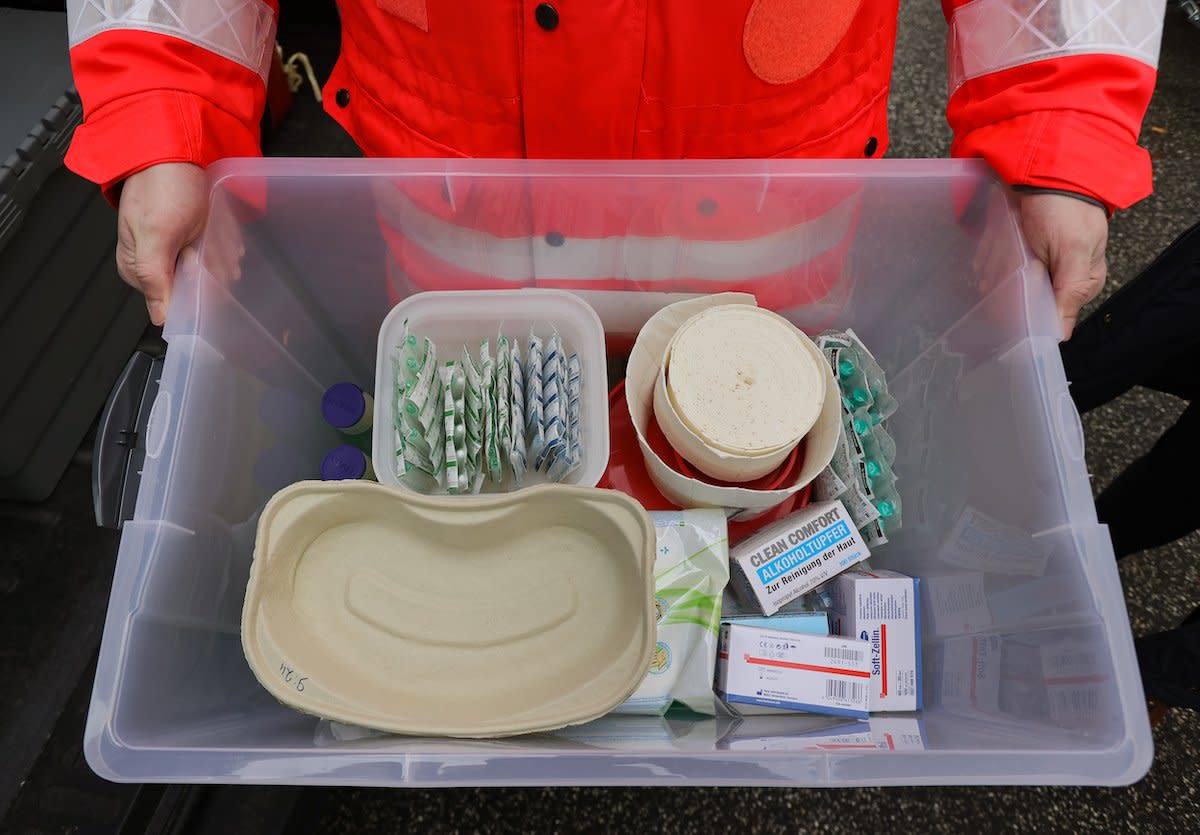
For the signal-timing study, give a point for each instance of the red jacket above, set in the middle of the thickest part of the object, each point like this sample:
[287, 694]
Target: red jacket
[1050, 92]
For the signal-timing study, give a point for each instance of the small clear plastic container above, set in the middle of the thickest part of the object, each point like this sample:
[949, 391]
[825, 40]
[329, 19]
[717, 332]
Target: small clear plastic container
[454, 319]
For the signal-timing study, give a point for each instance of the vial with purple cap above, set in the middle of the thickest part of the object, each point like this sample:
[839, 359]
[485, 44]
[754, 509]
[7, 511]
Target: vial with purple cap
[347, 408]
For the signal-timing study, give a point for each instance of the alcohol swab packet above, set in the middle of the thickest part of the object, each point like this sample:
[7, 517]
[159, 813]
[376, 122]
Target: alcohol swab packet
[534, 429]
[572, 454]
[551, 405]
[474, 414]
[517, 454]
[448, 423]
[491, 433]
[417, 397]
[502, 393]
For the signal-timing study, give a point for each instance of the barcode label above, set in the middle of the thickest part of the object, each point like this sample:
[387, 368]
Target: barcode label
[1077, 701]
[854, 656]
[844, 691]
[1074, 660]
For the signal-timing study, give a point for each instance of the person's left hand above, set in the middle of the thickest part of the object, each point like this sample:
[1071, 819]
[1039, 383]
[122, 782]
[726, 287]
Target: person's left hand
[1069, 237]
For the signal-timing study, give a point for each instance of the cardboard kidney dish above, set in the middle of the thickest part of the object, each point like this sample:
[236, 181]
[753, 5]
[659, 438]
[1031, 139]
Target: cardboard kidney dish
[469, 617]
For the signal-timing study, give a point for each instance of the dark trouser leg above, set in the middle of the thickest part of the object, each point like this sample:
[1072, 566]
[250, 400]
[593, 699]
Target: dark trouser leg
[1145, 334]
[1154, 501]
[1170, 665]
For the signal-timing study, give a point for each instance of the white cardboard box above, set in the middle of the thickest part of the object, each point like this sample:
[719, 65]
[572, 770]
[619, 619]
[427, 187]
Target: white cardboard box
[956, 604]
[795, 555]
[768, 668]
[883, 609]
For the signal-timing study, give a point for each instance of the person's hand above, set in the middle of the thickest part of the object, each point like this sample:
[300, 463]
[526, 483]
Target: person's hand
[1069, 237]
[162, 210]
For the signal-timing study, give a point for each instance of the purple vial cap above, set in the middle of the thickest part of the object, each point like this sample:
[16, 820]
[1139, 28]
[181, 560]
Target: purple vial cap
[343, 462]
[343, 405]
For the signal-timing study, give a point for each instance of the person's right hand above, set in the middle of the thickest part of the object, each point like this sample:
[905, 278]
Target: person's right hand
[162, 210]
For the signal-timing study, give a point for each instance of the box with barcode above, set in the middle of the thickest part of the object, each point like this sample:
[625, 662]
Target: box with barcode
[776, 670]
[883, 609]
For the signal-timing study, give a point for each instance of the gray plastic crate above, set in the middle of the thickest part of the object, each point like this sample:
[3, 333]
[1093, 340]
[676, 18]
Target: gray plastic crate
[67, 322]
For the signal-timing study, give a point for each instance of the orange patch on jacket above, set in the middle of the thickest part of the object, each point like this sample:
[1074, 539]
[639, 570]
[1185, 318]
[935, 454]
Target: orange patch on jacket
[785, 40]
[415, 12]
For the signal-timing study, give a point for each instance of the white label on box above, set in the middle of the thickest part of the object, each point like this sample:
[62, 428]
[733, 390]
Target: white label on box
[956, 603]
[882, 608]
[791, 671]
[882, 734]
[985, 544]
[879, 733]
[795, 555]
[1078, 686]
[970, 672]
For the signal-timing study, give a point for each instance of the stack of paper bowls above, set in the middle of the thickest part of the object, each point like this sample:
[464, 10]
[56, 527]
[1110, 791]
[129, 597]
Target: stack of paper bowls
[734, 389]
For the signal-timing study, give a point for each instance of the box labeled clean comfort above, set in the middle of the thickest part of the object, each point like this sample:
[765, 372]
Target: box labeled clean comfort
[883, 609]
[795, 555]
[768, 668]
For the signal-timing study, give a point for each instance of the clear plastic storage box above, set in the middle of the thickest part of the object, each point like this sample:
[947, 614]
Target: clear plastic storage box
[1029, 670]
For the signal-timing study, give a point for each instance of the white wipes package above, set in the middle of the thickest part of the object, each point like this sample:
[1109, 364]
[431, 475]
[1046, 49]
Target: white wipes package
[691, 568]
[783, 561]
[883, 609]
[769, 668]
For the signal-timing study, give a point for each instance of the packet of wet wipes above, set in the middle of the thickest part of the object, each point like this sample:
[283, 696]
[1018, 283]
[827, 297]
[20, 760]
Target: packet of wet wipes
[418, 396]
[572, 451]
[407, 356]
[474, 415]
[516, 416]
[535, 434]
[454, 417]
[502, 394]
[564, 402]
[450, 470]
[406, 362]
[551, 406]
[491, 434]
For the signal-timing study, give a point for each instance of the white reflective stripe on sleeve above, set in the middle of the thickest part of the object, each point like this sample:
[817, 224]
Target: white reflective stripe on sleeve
[595, 259]
[990, 35]
[241, 30]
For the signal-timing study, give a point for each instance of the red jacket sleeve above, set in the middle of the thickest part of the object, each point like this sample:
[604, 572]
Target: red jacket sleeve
[1052, 94]
[187, 86]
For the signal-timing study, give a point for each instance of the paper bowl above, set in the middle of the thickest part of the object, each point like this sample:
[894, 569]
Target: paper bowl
[640, 379]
